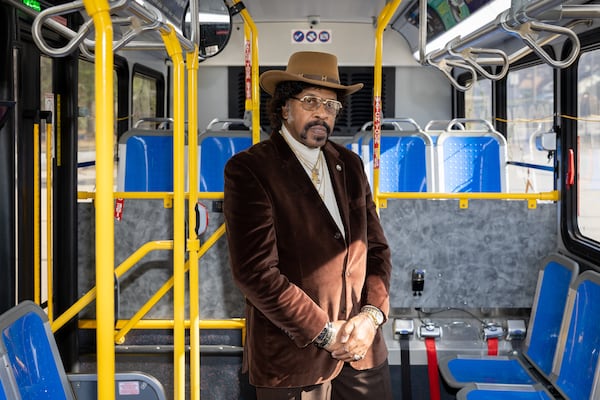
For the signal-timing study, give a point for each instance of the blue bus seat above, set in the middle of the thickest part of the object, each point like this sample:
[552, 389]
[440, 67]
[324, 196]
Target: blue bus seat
[32, 355]
[145, 161]
[550, 299]
[221, 139]
[35, 366]
[471, 160]
[479, 391]
[576, 366]
[406, 163]
[7, 385]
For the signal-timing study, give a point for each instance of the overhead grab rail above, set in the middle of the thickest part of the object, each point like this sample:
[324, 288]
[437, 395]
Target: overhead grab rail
[145, 17]
[446, 65]
[471, 56]
[528, 32]
[523, 21]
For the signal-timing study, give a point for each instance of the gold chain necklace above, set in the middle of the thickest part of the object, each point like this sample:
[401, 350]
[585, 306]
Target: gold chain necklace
[316, 170]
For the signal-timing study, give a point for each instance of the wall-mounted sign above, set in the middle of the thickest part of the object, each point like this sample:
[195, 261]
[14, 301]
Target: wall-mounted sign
[300, 36]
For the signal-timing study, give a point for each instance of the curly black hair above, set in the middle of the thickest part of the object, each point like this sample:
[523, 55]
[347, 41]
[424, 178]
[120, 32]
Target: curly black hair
[286, 90]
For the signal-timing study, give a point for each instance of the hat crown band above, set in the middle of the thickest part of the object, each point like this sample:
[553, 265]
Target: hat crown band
[322, 78]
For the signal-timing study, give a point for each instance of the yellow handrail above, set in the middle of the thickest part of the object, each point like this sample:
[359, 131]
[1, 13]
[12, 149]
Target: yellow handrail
[167, 196]
[105, 305]
[193, 243]
[464, 198]
[382, 20]
[232, 323]
[175, 52]
[87, 298]
[143, 310]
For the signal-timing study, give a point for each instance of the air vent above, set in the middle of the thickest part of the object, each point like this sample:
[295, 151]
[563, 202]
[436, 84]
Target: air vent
[359, 109]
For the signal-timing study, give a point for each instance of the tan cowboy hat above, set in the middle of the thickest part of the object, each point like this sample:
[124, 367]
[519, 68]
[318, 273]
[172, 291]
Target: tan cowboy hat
[319, 69]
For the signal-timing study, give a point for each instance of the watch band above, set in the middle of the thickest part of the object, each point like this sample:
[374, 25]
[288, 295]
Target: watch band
[325, 337]
[374, 313]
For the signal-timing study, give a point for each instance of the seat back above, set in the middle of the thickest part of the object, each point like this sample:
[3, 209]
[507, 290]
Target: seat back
[145, 161]
[32, 355]
[406, 163]
[215, 149]
[576, 371]
[555, 277]
[471, 160]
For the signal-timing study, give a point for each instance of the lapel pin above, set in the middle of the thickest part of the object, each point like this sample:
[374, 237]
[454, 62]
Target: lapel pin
[338, 167]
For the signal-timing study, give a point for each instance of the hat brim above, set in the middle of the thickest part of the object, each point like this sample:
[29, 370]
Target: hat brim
[270, 79]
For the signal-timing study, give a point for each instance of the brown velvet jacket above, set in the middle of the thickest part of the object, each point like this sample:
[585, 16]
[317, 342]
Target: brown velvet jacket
[294, 266]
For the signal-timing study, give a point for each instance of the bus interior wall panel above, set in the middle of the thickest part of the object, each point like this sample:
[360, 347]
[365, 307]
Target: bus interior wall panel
[463, 265]
[464, 260]
[147, 220]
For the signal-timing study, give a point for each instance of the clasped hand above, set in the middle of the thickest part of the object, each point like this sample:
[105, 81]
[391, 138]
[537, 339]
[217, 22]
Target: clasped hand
[352, 339]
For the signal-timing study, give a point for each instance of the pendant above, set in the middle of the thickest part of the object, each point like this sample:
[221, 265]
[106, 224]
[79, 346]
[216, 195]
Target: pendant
[315, 176]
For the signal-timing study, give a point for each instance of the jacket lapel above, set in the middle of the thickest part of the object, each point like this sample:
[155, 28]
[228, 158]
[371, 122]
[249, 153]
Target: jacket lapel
[300, 179]
[337, 172]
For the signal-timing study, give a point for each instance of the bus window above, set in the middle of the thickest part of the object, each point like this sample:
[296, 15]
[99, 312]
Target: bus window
[530, 108]
[478, 100]
[588, 128]
[145, 95]
[86, 120]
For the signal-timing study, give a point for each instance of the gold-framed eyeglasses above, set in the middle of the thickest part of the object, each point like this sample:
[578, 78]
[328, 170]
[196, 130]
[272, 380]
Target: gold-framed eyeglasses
[312, 103]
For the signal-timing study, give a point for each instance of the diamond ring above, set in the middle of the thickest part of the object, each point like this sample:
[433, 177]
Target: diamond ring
[357, 357]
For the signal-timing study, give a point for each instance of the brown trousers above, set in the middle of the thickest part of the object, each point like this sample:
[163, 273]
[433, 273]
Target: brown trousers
[350, 384]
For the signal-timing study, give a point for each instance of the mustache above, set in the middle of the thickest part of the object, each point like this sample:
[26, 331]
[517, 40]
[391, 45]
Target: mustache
[317, 123]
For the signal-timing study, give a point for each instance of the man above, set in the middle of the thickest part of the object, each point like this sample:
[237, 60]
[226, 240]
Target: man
[307, 248]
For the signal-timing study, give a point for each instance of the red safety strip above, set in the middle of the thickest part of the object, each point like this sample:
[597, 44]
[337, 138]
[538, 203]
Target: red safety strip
[570, 168]
[492, 346]
[432, 369]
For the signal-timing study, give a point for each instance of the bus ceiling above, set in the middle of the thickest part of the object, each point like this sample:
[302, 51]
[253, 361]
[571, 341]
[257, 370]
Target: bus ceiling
[480, 37]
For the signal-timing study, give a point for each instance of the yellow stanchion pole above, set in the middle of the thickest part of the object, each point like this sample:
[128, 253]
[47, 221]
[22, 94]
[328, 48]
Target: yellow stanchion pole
[49, 215]
[249, 25]
[36, 212]
[248, 67]
[175, 52]
[99, 10]
[384, 18]
[193, 242]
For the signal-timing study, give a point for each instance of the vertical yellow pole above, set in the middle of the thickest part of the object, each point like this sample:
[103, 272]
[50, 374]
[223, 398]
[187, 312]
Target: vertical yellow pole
[105, 230]
[174, 50]
[49, 219]
[36, 211]
[193, 242]
[255, 86]
[248, 67]
[382, 21]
